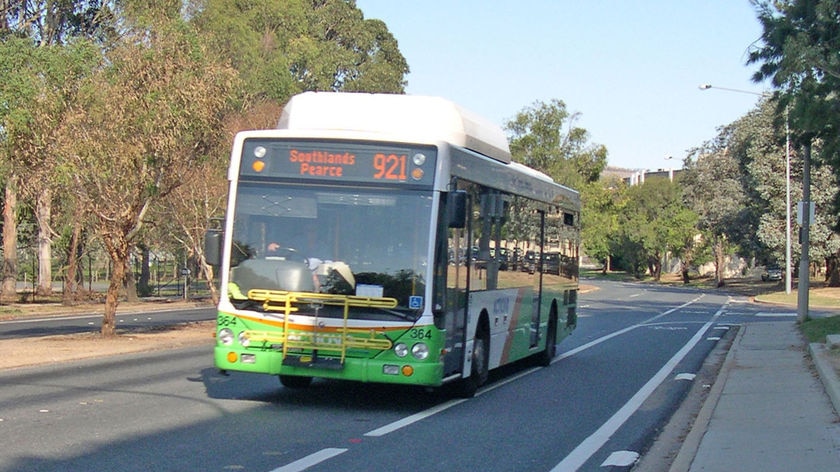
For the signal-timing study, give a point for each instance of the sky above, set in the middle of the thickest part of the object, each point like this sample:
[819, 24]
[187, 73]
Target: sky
[630, 68]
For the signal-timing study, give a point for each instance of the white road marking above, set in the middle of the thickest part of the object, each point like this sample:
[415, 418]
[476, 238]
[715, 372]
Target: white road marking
[310, 460]
[413, 418]
[621, 459]
[685, 376]
[622, 331]
[763, 314]
[324, 454]
[596, 440]
[38, 320]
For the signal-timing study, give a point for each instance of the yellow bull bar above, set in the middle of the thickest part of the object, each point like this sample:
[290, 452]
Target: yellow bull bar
[337, 341]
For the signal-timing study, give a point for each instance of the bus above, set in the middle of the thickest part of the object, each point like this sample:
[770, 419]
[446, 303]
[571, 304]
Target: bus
[366, 238]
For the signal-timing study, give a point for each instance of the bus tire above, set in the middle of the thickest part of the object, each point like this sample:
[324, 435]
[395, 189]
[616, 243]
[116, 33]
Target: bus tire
[295, 381]
[545, 357]
[480, 366]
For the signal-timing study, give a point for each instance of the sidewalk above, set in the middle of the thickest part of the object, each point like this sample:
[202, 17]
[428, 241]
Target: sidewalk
[767, 411]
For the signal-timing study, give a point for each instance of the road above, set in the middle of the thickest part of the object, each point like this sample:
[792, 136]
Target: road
[615, 382]
[87, 322]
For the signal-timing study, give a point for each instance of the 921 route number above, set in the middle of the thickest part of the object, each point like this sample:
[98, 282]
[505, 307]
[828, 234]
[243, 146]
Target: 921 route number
[389, 167]
[420, 333]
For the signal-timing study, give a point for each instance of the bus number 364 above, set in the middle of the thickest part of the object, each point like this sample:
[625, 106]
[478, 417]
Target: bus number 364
[420, 333]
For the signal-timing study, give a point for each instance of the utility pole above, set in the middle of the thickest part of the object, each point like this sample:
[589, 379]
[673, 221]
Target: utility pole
[805, 235]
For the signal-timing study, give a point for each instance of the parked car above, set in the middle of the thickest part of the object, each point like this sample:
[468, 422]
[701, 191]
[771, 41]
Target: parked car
[529, 262]
[771, 273]
[551, 263]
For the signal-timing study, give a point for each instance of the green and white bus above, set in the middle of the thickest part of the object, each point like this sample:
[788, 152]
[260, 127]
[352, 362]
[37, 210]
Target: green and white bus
[389, 238]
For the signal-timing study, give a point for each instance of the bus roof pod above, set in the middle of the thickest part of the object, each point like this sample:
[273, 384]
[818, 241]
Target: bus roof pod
[413, 118]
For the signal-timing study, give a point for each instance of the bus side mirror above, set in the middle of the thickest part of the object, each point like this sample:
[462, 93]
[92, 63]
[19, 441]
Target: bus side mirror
[456, 209]
[213, 247]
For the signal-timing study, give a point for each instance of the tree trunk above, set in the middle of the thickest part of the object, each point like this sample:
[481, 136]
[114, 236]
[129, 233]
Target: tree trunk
[833, 273]
[144, 287]
[211, 283]
[130, 283]
[8, 294]
[43, 214]
[655, 263]
[71, 279]
[118, 251]
[718, 250]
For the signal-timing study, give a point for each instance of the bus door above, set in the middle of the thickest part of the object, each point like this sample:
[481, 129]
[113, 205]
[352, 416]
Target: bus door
[538, 280]
[452, 275]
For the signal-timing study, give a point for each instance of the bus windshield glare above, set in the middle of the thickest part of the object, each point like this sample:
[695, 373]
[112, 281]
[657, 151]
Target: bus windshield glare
[340, 240]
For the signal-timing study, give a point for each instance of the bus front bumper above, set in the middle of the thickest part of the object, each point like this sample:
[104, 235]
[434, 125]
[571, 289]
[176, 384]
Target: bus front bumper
[358, 369]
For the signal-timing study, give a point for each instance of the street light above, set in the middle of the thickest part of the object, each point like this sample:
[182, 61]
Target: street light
[788, 272]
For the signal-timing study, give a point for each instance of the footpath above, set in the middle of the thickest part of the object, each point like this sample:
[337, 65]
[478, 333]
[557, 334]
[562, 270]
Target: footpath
[772, 408]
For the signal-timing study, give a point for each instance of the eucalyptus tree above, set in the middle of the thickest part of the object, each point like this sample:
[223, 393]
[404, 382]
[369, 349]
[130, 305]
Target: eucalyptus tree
[714, 188]
[283, 48]
[40, 83]
[603, 204]
[544, 137]
[145, 119]
[43, 56]
[757, 142]
[655, 221]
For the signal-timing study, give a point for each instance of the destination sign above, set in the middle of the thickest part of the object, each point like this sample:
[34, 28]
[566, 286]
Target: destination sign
[338, 161]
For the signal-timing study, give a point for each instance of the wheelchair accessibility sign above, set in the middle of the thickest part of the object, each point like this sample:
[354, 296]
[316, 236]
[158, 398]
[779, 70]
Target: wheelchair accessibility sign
[415, 302]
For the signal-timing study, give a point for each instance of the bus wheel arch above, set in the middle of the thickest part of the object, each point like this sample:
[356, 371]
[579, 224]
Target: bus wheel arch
[481, 350]
[545, 356]
[479, 369]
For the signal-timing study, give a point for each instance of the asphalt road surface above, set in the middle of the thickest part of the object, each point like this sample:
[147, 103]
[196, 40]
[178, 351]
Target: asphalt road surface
[597, 407]
[86, 322]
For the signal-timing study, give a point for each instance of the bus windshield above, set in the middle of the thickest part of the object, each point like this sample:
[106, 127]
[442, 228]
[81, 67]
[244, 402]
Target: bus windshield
[339, 240]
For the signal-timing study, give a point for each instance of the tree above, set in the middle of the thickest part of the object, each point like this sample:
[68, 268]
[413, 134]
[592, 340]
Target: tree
[50, 22]
[41, 81]
[757, 142]
[603, 204]
[143, 123]
[799, 55]
[544, 137]
[41, 66]
[655, 221]
[278, 49]
[714, 188]
[284, 48]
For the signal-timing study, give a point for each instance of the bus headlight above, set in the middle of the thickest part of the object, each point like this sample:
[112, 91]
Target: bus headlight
[400, 349]
[226, 336]
[420, 351]
[243, 339]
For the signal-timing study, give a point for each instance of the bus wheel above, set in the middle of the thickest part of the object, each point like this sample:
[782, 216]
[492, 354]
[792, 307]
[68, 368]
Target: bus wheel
[295, 381]
[481, 359]
[479, 371]
[545, 357]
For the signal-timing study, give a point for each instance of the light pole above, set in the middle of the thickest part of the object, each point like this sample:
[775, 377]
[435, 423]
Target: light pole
[788, 271]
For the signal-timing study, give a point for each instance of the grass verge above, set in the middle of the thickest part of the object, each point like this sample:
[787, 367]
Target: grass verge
[815, 330]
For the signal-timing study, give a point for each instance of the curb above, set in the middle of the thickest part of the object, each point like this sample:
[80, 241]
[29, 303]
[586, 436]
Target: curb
[691, 443]
[827, 374]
